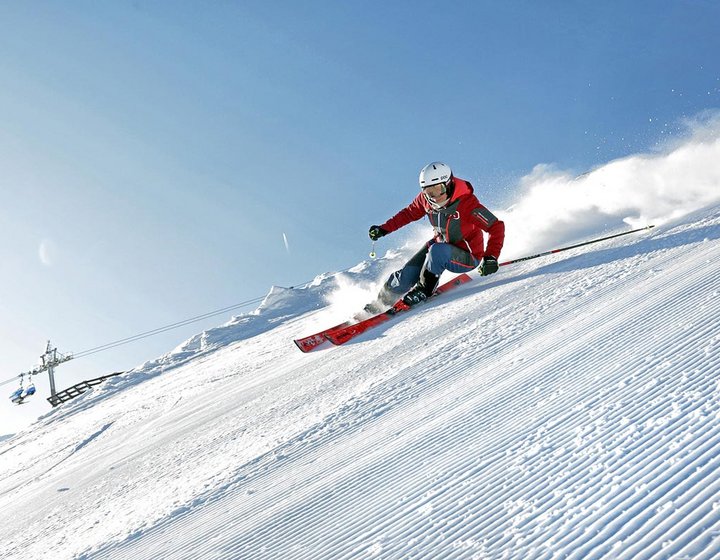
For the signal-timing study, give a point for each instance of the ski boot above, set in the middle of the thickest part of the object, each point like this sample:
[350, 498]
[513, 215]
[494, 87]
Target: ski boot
[423, 289]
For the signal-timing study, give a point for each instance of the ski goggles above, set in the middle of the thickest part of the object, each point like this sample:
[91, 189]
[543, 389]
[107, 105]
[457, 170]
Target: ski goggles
[436, 190]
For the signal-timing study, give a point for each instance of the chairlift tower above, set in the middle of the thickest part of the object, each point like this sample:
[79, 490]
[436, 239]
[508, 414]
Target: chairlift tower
[51, 359]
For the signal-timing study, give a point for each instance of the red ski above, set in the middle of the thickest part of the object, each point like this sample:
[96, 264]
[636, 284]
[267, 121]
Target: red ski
[343, 333]
[339, 334]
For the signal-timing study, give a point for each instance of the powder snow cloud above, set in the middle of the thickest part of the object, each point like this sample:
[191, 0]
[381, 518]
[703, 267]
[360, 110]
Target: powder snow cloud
[554, 206]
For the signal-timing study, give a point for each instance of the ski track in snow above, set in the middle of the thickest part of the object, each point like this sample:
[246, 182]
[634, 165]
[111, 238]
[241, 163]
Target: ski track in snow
[564, 408]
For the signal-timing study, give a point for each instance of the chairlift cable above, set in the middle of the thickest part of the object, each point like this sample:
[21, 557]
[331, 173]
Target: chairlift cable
[160, 330]
[8, 381]
[166, 328]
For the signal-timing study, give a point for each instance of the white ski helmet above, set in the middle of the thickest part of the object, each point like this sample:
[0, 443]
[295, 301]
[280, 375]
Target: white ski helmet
[435, 172]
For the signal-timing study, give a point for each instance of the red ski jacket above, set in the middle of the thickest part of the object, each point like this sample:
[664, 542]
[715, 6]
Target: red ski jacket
[461, 223]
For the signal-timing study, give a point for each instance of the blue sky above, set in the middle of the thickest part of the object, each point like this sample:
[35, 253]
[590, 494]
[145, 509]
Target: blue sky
[153, 154]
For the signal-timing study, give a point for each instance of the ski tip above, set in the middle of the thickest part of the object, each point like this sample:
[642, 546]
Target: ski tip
[309, 343]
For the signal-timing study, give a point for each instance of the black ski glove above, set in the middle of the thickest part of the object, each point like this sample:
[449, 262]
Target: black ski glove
[489, 265]
[376, 232]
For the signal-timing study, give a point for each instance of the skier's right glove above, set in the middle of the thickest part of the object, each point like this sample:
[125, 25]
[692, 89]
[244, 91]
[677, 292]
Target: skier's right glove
[376, 232]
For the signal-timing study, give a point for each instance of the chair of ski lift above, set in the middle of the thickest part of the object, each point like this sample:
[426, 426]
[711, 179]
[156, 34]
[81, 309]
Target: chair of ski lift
[29, 391]
[17, 396]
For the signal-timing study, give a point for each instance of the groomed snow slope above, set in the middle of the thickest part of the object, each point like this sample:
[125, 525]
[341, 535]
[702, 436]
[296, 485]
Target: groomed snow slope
[567, 407]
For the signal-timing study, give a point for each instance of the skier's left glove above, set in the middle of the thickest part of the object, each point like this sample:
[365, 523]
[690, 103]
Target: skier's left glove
[489, 265]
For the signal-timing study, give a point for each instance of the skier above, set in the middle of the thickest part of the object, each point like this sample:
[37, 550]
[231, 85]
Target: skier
[458, 220]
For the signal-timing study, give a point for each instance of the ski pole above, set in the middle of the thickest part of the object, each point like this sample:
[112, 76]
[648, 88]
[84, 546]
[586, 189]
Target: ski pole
[372, 251]
[553, 251]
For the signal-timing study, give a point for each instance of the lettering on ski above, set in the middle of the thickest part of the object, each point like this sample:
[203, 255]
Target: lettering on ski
[310, 343]
[340, 335]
